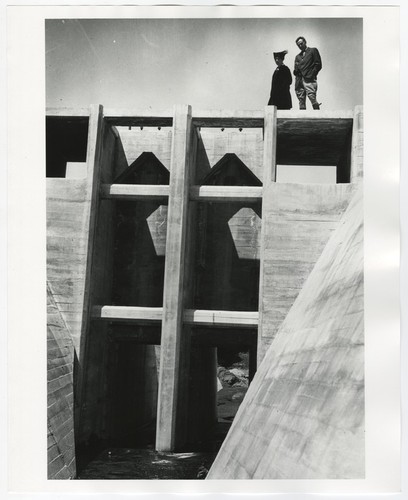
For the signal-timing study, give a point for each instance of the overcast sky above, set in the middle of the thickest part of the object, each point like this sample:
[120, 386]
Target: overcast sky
[208, 63]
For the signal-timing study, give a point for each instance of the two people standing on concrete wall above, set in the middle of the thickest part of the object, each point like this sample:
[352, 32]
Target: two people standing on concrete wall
[308, 63]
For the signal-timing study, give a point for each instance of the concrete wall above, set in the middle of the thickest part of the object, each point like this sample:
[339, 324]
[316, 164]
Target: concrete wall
[66, 241]
[138, 140]
[90, 262]
[300, 219]
[303, 415]
[60, 394]
[357, 145]
[214, 143]
[67, 235]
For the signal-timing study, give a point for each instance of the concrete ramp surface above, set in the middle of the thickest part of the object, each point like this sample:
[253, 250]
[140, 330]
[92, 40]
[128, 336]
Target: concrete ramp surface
[303, 415]
[60, 438]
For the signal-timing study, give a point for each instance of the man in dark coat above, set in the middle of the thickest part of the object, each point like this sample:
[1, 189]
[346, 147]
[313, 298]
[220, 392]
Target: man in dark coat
[281, 81]
[307, 65]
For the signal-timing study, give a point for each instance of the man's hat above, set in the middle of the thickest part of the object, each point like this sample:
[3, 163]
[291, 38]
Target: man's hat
[281, 55]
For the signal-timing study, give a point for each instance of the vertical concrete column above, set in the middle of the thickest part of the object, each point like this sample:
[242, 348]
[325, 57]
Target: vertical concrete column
[357, 147]
[93, 166]
[269, 153]
[269, 176]
[252, 360]
[174, 345]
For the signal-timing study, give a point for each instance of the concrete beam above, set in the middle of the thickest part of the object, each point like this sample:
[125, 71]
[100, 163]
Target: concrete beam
[255, 118]
[310, 114]
[68, 112]
[174, 349]
[127, 313]
[139, 117]
[243, 319]
[134, 192]
[197, 193]
[228, 118]
[196, 317]
[226, 193]
[208, 117]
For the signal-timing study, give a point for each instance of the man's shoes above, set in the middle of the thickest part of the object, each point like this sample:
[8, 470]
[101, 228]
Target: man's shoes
[317, 105]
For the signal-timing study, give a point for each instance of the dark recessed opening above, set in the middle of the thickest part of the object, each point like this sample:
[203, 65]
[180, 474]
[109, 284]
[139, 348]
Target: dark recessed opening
[133, 384]
[316, 142]
[223, 363]
[227, 257]
[66, 141]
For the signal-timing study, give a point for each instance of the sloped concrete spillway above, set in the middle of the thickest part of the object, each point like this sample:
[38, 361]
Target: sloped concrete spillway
[303, 416]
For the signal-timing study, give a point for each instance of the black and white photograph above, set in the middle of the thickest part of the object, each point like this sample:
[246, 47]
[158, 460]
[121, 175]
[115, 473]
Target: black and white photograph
[205, 260]
[207, 284]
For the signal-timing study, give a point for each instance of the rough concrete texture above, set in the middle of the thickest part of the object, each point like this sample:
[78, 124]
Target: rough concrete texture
[299, 219]
[214, 143]
[137, 140]
[357, 154]
[67, 203]
[61, 447]
[66, 243]
[303, 416]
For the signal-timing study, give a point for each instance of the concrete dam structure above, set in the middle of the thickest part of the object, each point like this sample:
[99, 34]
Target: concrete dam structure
[168, 239]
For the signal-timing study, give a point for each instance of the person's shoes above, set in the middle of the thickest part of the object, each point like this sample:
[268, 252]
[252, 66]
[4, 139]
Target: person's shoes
[317, 105]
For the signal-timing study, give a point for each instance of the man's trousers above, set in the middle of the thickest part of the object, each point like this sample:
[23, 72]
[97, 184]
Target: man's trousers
[308, 89]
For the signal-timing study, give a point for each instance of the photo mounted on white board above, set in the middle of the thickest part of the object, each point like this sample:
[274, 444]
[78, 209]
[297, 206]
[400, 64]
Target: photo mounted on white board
[209, 196]
[196, 256]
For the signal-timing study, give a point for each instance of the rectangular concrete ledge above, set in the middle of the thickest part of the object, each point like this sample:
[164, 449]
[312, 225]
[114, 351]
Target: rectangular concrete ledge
[138, 117]
[135, 192]
[201, 118]
[310, 114]
[67, 112]
[197, 193]
[201, 317]
[226, 193]
[127, 313]
[228, 118]
[255, 118]
[197, 317]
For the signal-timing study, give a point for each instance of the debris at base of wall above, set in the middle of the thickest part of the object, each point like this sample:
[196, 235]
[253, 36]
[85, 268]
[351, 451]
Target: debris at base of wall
[234, 377]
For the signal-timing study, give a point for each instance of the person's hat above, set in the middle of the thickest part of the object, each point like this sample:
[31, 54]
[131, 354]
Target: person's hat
[281, 55]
